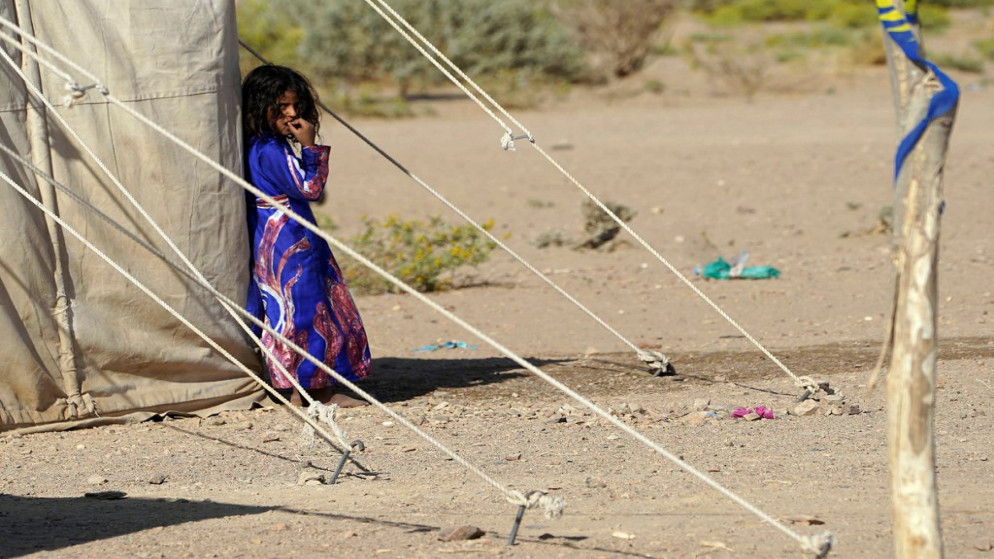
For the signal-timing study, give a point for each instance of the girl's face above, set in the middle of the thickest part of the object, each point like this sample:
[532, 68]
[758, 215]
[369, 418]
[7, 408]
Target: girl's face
[287, 113]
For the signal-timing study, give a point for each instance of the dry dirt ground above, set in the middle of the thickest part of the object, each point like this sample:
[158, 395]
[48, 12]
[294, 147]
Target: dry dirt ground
[797, 180]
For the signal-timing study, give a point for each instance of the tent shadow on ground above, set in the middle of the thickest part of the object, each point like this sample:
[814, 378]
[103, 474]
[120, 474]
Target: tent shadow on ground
[397, 379]
[33, 524]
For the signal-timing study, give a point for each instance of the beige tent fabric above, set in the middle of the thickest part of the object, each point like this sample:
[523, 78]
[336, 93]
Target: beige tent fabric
[177, 63]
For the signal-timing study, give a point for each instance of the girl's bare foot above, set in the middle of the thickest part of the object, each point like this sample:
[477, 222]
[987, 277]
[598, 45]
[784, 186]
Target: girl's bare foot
[343, 401]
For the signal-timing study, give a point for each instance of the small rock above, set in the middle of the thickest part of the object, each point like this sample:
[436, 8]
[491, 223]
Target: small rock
[595, 483]
[700, 404]
[622, 535]
[96, 479]
[832, 397]
[807, 407]
[215, 421]
[460, 533]
[556, 419]
[513, 457]
[157, 479]
[752, 416]
[270, 437]
[310, 477]
[853, 410]
[834, 410]
[242, 426]
[984, 545]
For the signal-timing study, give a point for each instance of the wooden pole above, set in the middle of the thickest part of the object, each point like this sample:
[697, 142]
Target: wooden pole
[912, 371]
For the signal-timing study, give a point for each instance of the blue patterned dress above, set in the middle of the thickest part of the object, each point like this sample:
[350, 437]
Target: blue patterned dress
[297, 287]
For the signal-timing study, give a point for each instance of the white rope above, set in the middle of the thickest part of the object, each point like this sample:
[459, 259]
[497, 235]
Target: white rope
[654, 360]
[513, 496]
[217, 347]
[199, 277]
[805, 541]
[805, 383]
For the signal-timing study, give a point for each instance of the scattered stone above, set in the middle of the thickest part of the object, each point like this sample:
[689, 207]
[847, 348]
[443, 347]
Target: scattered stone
[270, 437]
[807, 407]
[96, 479]
[595, 483]
[215, 421]
[622, 535]
[513, 457]
[805, 520]
[157, 479]
[700, 417]
[832, 397]
[310, 477]
[834, 410]
[853, 410]
[460, 533]
[556, 419]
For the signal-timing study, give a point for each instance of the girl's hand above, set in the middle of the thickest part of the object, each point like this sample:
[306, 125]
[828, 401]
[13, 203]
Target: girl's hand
[302, 131]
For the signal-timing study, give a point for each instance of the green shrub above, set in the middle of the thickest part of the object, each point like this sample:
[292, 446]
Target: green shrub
[934, 18]
[347, 43]
[985, 47]
[270, 31]
[422, 255]
[961, 63]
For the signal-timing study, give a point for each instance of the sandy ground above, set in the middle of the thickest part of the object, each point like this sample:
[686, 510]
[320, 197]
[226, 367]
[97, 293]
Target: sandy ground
[796, 180]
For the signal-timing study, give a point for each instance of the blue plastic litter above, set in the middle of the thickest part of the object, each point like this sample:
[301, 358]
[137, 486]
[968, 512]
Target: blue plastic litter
[443, 345]
[720, 269]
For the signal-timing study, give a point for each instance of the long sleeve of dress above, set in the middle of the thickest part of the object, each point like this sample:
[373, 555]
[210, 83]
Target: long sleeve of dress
[300, 178]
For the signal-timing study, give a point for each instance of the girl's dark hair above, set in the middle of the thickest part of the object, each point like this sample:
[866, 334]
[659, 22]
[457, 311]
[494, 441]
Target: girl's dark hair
[260, 90]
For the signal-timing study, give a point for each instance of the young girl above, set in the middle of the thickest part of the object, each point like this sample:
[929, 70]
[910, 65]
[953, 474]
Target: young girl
[296, 285]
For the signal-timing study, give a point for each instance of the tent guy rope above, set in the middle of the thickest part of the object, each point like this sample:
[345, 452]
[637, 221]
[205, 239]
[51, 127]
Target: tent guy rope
[818, 544]
[421, 43]
[654, 360]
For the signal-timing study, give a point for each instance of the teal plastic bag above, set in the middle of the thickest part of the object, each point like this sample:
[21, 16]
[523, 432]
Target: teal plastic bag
[720, 269]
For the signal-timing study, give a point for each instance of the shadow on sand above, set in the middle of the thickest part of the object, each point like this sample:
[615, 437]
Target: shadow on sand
[33, 524]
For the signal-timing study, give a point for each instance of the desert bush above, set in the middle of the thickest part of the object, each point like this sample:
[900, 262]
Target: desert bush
[348, 43]
[424, 255]
[269, 30]
[985, 47]
[962, 63]
[620, 33]
[842, 13]
[600, 227]
[743, 69]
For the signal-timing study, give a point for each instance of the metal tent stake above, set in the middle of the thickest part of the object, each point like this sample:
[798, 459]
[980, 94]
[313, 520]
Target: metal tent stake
[517, 523]
[345, 456]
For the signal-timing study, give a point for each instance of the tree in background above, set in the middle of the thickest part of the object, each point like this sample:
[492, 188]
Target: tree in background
[619, 33]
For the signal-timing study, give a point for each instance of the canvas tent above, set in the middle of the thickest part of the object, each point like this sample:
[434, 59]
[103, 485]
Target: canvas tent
[115, 354]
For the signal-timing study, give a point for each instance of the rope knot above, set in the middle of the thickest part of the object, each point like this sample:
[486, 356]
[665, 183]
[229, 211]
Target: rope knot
[807, 383]
[658, 363]
[552, 507]
[819, 544]
[324, 414]
[77, 92]
[507, 140]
